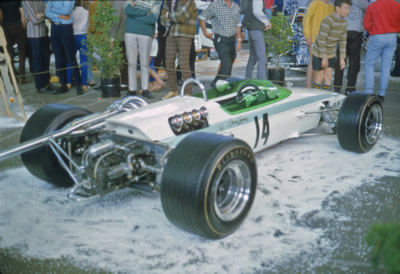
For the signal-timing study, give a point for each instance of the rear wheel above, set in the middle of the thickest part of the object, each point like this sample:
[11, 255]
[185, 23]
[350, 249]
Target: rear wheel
[209, 184]
[42, 162]
[360, 122]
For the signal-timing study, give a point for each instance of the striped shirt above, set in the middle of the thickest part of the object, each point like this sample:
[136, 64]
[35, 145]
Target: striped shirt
[35, 27]
[180, 19]
[152, 5]
[224, 20]
[331, 33]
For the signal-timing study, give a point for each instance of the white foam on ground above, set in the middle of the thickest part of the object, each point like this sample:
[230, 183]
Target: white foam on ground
[127, 231]
[9, 122]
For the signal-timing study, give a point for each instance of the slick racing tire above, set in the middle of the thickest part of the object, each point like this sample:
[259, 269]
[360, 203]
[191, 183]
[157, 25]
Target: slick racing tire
[41, 162]
[209, 184]
[359, 122]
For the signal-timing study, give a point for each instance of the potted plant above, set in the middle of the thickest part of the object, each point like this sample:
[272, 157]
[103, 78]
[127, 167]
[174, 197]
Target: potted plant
[278, 42]
[105, 53]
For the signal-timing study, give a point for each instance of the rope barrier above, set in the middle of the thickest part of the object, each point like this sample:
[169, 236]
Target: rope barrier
[176, 70]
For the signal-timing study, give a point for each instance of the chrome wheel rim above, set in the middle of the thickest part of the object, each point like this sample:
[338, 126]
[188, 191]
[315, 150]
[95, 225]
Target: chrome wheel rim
[373, 124]
[231, 191]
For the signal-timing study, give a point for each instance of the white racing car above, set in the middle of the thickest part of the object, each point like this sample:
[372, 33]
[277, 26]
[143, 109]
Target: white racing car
[196, 151]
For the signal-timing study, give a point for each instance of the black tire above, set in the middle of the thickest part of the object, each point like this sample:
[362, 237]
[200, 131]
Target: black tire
[194, 195]
[42, 162]
[360, 121]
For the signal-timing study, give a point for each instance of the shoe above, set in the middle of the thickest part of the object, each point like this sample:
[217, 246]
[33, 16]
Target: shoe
[69, 86]
[180, 82]
[147, 94]
[347, 92]
[61, 90]
[45, 90]
[52, 87]
[131, 93]
[91, 83]
[79, 90]
[381, 98]
[170, 95]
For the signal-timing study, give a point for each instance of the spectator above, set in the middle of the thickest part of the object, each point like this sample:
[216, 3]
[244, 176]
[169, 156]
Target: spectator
[225, 20]
[353, 50]
[382, 21]
[40, 44]
[331, 34]
[118, 32]
[256, 22]
[155, 83]
[290, 8]
[159, 60]
[63, 42]
[80, 18]
[14, 25]
[269, 6]
[179, 18]
[141, 18]
[317, 10]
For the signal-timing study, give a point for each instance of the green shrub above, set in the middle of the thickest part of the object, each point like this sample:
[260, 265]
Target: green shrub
[106, 54]
[385, 242]
[278, 40]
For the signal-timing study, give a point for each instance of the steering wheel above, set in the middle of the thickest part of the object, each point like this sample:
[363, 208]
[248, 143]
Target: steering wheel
[245, 91]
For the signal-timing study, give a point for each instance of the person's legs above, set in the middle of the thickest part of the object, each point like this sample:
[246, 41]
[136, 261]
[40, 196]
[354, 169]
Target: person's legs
[68, 42]
[354, 42]
[327, 72]
[259, 46]
[124, 69]
[318, 72]
[131, 54]
[396, 70]
[82, 47]
[184, 45]
[45, 60]
[192, 60]
[9, 33]
[374, 50]
[36, 52]
[144, 43]
[310, 72]
[59, 54]
[387, 56]
[170, 56]
[21, 42]
[338, 81]
[224, 48]
[252, 56]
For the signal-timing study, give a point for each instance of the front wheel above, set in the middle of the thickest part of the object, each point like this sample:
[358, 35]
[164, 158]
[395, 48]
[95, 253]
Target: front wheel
[41, 162]
[209, 184]
[360, 121]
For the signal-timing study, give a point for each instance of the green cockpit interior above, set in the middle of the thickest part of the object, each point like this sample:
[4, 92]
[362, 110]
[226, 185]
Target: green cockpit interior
[246, 95]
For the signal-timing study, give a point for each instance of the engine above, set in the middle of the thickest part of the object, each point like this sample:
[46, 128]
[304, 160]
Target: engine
[115, 163]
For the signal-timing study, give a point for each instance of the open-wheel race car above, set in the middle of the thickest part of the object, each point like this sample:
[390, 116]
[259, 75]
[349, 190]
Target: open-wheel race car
[197, 151]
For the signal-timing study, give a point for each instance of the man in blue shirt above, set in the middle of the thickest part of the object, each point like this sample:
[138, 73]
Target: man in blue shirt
[62, 42]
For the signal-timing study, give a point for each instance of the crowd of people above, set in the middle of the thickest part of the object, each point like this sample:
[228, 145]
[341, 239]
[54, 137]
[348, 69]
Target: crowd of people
[334, 34]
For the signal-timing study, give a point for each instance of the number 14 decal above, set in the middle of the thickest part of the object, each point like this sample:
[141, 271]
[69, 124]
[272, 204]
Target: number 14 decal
[265, 130]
